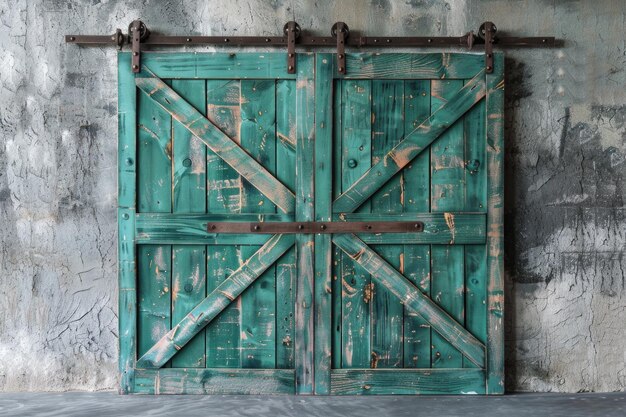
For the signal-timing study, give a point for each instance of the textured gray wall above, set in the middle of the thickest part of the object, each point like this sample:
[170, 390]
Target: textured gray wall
[565, 135]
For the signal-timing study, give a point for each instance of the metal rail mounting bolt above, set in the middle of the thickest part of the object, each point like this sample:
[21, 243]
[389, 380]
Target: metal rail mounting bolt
[139, 36]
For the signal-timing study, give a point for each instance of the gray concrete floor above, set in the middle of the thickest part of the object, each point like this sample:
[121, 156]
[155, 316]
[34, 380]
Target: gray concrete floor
[111, 404]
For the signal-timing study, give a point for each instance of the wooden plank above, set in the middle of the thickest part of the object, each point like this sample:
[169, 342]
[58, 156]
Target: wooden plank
[215, 302]
[286, 273]
[216, 65]
[324, 101]
[223, 182]
[223, 340]
[408, 66]
[416, 199]
[387, 312]
[495, 206]
[407, 381]
[356, 124]
[439, 228]
[337, 254]
[127, 157]
[413, 143]
[258, 303]
[218, 142]
[412, 298]
[305, 135]
[447, 194]
[475, 200]
[189, 196]
[215, 381]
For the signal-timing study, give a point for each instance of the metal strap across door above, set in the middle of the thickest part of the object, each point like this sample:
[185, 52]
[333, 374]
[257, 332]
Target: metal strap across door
[310, 233]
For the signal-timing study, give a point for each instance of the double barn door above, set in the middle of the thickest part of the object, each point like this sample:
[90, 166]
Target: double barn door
[214, 148]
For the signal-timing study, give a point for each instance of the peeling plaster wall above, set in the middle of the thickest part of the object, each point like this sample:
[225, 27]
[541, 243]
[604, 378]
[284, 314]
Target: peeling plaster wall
[565, 212]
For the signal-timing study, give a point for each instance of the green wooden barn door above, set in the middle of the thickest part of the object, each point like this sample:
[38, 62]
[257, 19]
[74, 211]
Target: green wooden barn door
[409, 137]
[209, 138]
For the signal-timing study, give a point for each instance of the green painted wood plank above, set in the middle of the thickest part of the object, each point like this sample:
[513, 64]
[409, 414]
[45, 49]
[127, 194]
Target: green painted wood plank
[447, 193]
[416, 199]
[154, 278]
[258, 304]
[476, 200]
[286, 273]
[215, 302]
[337, 254]
[188, 289]
[495, 206]
[215, 381]
[223, 182]
[413, 143]
[223, 344]
[384, 274]
[407, 381]
[324, 101]
[387, 312]
[356, 125]
[189, 196]
[218, 142]
[216, 65]
[407, 66]
[127, 160]
[305, 135]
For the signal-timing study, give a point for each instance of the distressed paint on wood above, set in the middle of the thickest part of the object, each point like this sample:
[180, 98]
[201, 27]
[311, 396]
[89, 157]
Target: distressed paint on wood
[387, 117]
[495, 206]
[411, 297]
[215, 381]
[305, 136]
[218, 142]
[447, 175]
[414, 143]
[356, 128]
[188, 196]
[324, 97]
[407, 381]
[127, 177]
[215, 302]
[416, 177]
[258, 303]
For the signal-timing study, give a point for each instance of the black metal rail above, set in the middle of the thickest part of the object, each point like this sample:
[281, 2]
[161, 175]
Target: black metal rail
[138, 35]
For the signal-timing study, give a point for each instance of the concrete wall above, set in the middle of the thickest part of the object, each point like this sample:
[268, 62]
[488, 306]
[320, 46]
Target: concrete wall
[565, 217]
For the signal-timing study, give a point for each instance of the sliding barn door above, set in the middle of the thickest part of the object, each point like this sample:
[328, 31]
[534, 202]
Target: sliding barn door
[207, 141]
[210, 138]
[409, 137]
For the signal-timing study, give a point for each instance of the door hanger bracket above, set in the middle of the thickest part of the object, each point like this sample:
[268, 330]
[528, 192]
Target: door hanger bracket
[137, 33]
[487, 31]
[340, 31]
[292, 30]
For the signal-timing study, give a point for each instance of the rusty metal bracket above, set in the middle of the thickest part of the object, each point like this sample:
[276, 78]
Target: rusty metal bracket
[488, 31]
[316, 227]
[137, 32]
[292, 30]
[340, 31]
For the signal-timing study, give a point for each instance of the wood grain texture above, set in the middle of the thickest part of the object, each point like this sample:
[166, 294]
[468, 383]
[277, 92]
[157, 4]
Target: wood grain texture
[407, 382]
[414, 143]
[215, 302]
[495, 207]
[218, 142]
[214, 381]
[127, 162]
[384, 274]
[305, 208]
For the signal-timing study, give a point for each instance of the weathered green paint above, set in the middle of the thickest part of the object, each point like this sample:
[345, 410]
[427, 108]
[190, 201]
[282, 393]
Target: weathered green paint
[215, 302]
[495, 243]
[217, 141]
[384, 274]
[447, 194]
[413, 143]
